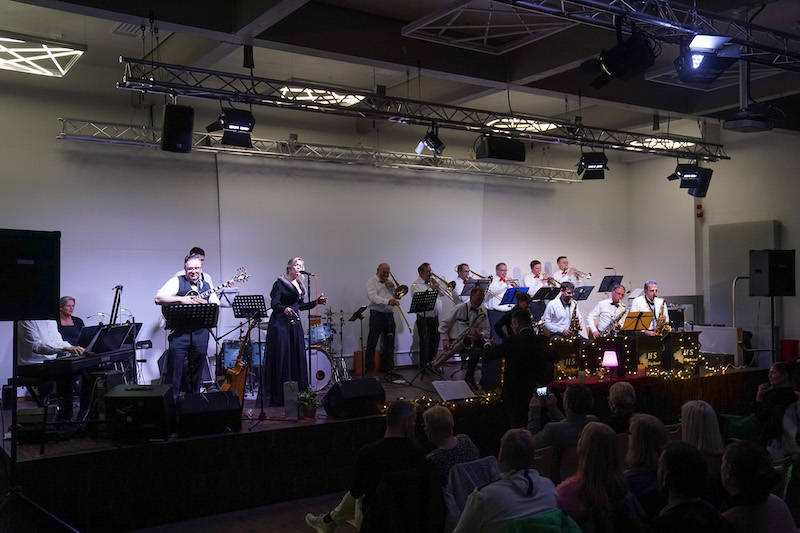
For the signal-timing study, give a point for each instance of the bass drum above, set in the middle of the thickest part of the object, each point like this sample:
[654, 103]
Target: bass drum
[321, 368]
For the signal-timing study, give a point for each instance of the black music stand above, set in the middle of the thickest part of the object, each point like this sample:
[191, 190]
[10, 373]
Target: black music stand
[608, 282]
[510, 296]
[253, 307]
[359, 315]
[472, 283]
[423, 302]
[582, 293]
[546, 294]
[190, 317]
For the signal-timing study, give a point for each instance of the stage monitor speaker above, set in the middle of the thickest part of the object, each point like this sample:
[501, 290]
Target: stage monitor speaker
[499, 148]
[140, 412]
[772, 273]
[357, 397]
[30, 266]
[208, 413]
[176, 135]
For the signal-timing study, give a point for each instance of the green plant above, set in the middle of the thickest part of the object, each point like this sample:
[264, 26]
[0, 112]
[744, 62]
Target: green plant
[308, 398]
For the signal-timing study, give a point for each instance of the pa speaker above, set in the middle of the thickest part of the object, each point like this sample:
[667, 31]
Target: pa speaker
[176, 135]
[772, 273]
[208, 413]
[30, 266]
[499, 148]
[140, 412]
[357, 397]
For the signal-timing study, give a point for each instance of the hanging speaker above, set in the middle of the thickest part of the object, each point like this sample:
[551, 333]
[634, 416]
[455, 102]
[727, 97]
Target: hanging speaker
[176, 135]
[772, 273]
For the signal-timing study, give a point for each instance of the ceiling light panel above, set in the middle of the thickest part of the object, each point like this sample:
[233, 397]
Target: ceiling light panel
[32, 55]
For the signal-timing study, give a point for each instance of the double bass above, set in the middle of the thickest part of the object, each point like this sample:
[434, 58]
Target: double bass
[236, 376]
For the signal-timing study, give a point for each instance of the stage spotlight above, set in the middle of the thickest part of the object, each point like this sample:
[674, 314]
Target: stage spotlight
[684, 171]
[629, 58]
[699, 66]
[592, 165]
[237, 124]
[431, 141]
[701, 183]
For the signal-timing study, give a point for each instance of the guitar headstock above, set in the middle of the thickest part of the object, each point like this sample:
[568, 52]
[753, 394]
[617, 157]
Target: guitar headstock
[241, 275]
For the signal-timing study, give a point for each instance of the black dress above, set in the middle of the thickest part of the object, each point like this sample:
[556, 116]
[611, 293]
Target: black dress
[72, 333]
[286, 353]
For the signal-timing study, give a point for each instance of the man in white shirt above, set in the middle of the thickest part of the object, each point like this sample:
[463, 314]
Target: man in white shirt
[201, 254]
[535, 280]
[649, 301]
[497, 288]
[187, 349]
[606, 311]
[462, 271]
[468, 315]
[564, 273]
[428, 321]
[380, 293]
[558, 313]
[39, 341]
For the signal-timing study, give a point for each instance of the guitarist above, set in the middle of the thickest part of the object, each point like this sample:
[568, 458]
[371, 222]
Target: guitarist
[187, 349]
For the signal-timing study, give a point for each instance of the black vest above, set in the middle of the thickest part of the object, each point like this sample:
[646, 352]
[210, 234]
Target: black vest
[184, 285]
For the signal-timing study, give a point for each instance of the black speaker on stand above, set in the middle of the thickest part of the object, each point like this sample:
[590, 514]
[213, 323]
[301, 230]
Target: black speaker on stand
[176, 134]
[354, 398]
[772, 274]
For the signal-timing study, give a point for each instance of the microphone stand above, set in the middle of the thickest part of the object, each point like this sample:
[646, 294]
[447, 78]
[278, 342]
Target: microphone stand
[308, 312]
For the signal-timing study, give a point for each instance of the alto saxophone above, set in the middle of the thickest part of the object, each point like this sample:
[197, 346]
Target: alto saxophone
[662, 328]
[613, 324]
[574, 323]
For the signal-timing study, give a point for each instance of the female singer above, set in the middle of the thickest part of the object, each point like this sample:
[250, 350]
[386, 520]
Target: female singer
[69, 326]
[285, 339]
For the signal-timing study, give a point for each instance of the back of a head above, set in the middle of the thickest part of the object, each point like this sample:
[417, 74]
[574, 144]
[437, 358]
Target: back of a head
[648, 436]
[621, 396]
[578, 399]
[516, 450]
[600, 466]
[398, 412]
[438, 421]
[748, 473]
[700, 428]
[683, 470]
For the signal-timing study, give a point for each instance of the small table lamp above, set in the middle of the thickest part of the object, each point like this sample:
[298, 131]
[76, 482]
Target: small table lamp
[610, 361]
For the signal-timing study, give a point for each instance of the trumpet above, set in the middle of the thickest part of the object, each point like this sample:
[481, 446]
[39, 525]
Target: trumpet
[553, 282]
[471, 273]
[579, 274]
[399, 292]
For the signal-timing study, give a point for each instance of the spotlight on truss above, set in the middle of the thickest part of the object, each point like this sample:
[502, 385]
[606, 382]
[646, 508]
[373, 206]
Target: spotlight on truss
[593, 165]
[431, 141]
[236, 126]
[626, 60]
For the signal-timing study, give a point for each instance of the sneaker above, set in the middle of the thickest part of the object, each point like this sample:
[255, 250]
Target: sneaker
[318, 523]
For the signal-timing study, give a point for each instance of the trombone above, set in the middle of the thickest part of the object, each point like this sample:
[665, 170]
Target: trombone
[399, 292]
[471, 273]
[448, 286]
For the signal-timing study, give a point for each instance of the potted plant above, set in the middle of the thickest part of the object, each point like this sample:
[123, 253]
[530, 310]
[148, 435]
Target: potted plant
[307, 403]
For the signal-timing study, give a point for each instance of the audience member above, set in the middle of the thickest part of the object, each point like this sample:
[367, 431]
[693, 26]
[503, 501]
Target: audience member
[647, 439]
[772, 399]
[748, 476]
[450, 449]
[597, 497]
[519, 491]
[562, 431]
[396, 452]
[682, 473]
[699, 427]
[621, 399]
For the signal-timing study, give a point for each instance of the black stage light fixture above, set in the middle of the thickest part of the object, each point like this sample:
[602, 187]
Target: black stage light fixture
[701, 66]
[626, 60]
[684, 172]
[431, 141]
[703, 181]
[237, 124]
[592, 165]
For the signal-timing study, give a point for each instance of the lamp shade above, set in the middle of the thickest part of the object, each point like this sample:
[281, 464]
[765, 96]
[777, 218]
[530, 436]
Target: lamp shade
[610, 359]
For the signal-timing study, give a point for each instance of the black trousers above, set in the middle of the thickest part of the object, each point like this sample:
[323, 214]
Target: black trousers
[63, 385]
[380, 325]
[494, 317]
[428, 330]
[185, 360]
[473, 354]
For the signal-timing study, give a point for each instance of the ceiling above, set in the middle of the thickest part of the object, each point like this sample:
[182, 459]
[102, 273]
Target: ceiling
[360, 44]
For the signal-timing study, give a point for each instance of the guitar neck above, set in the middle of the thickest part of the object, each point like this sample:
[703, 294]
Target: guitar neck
[209, 292]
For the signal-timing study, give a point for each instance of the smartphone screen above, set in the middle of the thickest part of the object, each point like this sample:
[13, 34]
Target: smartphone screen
[541, 391]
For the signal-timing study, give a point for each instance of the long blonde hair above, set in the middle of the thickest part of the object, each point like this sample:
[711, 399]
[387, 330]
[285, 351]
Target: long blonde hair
[700, 428]
[602, 483]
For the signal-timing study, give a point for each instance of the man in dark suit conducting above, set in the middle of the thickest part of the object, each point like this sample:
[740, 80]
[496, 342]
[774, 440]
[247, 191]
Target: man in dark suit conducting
[528, 364]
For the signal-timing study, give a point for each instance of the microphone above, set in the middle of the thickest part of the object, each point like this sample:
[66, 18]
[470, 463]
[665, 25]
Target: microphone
[305, 272]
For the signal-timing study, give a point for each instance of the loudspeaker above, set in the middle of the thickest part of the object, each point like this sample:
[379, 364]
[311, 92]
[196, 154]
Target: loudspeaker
[357, 397]
[140, 412]
[30, 267]
[772, 273]
[208, 413]
[502, 148]
[176, 135]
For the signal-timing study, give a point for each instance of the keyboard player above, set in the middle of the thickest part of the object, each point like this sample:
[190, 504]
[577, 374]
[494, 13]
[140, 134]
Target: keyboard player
[39, 341]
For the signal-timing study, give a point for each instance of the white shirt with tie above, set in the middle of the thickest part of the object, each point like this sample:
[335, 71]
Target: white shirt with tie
[564, 275]
[642, 304]
[557, 316]
[421, 286]
[461, 317]
[603, 313]
[379, 295]
[533, 281]
[494, 295]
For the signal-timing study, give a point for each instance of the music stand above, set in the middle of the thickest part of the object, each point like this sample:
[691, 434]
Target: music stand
[510, 296]
[225, 296]
[546, 294]
[636, 320]
[422, 302]
[582, 293]
[359, 315]
[608, 282]
[472, 283]
[253, 307]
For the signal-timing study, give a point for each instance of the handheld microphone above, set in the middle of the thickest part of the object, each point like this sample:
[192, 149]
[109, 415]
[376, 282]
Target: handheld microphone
[307, 273]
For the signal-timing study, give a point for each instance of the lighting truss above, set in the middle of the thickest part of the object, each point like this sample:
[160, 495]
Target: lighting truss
[33, 55]
[175, 80]
[673, 22]
[484, 26]
[129, 135]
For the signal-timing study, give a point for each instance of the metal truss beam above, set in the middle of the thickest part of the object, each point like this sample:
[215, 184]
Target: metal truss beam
[674, 22]
[129, 135]
[207, 84]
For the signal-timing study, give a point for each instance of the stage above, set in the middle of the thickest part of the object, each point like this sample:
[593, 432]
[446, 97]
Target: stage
[100, 485]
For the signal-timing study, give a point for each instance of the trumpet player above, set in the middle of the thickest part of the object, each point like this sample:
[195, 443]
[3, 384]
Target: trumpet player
[497, 288]
[649, 301]
[427, 321]
[535, 280]
[558, 313]
[467, 321]
[380, 293]
[565, 273]
[606, 311]
[462, 271]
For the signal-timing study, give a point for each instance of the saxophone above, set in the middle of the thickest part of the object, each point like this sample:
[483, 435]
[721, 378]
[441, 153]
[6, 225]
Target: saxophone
[613, 324]
[662, 328]
[574, 323]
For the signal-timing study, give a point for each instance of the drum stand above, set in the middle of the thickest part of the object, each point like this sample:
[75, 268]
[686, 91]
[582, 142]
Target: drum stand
[340, 372]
